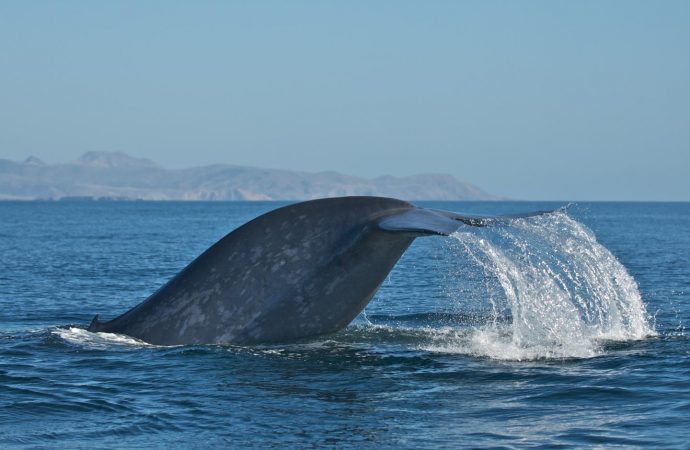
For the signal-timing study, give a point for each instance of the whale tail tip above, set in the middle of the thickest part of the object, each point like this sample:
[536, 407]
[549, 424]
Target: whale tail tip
[95, 325]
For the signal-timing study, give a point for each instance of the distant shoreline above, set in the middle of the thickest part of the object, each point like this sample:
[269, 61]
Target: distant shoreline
[79, 199]
[141, 200]
[111, 176]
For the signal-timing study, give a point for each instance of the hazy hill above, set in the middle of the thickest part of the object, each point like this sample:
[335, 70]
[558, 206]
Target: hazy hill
[119, 176]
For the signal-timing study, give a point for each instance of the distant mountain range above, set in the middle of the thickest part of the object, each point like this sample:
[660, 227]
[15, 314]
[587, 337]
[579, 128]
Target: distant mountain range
[99, 175]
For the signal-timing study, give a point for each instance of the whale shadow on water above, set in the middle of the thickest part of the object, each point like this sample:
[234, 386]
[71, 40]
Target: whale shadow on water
[299, 271]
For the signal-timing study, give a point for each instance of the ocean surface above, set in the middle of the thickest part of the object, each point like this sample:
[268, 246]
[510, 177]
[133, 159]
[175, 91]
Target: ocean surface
[565, 330]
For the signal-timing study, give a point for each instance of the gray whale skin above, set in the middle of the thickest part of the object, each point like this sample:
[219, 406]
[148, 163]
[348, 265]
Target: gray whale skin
[298, 271]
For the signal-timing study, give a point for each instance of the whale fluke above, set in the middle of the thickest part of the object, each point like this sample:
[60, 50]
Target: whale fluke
[298, 271]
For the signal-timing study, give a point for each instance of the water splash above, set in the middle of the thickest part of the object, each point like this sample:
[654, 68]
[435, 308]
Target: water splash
[563, 293]
[98, 341]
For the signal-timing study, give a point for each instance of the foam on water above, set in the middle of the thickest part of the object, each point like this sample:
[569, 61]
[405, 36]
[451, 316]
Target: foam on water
[98, 341]
[565, 293]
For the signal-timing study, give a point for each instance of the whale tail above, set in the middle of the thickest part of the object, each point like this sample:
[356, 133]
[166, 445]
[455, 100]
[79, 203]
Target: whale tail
[302, 270]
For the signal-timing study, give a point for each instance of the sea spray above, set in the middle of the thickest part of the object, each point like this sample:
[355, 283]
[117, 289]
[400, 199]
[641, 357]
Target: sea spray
[98, 341]
[554, 291]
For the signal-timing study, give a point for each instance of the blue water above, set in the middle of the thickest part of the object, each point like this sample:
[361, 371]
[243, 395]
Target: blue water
[531, 335]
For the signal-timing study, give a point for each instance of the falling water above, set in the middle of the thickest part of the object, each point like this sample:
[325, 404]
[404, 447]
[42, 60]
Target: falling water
[554, 291]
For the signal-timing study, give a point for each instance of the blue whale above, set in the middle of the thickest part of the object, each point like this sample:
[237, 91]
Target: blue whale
[302, 270]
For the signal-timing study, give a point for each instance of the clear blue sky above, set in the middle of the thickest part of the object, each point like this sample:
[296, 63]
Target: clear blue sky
[568, 100]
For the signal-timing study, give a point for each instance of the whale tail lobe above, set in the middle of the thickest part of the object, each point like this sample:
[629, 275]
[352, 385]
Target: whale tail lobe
[424, 222]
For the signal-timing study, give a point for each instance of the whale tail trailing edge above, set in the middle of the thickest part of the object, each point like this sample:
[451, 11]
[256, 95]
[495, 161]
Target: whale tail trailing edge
[422, 221]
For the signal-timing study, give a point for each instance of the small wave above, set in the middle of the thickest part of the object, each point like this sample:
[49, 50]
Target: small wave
[98, 341]
[498, 343]
[493, 341]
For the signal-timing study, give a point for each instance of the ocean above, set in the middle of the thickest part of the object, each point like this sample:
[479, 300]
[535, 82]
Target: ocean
[564, 330]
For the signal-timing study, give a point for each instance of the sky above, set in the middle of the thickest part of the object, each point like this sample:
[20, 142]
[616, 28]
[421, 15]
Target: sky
[534, 100]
